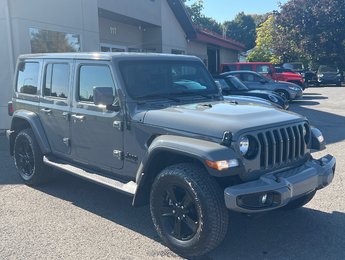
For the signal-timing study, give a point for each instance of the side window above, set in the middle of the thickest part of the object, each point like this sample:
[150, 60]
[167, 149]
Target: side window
[262, 68]
[245, 67]
[250, 77]
[27, 79]
[227, 68]
[56, 80]
[93, 76]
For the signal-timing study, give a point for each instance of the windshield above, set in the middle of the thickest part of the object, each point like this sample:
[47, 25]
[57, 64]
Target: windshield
[323, 69]
[294, 66]
[150, 79]
[236, 83]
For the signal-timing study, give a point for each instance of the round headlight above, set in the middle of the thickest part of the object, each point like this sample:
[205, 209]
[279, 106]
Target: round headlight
[244, 145]
[306, 133]
[273, 98]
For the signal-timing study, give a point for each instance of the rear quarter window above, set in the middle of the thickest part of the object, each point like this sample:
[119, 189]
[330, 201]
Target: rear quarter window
[27, 78]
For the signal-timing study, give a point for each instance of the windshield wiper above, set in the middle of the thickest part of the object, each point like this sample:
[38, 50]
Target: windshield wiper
[159, 96]
[191, 93]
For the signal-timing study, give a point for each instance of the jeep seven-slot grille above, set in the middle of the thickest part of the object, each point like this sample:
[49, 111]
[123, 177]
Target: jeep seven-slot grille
[281, 146]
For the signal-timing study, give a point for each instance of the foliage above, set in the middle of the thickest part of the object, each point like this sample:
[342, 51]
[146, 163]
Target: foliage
[198, 18]
[315, 28]
[266, 38]
[242, 29]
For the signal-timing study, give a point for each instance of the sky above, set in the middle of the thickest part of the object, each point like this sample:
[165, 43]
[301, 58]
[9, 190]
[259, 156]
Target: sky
[226, 10]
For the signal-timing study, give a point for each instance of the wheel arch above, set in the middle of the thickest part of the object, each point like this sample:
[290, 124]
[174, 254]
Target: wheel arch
[25, 119]
[167, 150]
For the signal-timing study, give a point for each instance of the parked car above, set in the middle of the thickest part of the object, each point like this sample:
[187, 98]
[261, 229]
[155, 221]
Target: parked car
[254, 80]
[308, 75]
[248, 100]
[231, 85]
[129, 123]
[265, 68]
[329, 75]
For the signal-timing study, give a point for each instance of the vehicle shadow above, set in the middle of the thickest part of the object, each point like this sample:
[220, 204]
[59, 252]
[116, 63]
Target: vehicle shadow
[8, 173]
[298, 234]
[331, 125]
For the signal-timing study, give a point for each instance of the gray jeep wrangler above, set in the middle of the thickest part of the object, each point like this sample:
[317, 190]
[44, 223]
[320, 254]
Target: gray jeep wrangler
[155, 127]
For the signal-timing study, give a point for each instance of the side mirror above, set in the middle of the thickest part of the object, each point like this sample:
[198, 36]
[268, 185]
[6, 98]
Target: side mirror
[263, 81]
[103, 96]
[269, 71]
[220, 90]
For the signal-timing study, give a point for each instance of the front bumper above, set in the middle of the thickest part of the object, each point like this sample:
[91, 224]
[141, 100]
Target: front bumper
[280, 188]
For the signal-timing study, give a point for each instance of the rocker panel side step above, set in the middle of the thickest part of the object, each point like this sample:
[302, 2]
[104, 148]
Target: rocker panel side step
[128, 188]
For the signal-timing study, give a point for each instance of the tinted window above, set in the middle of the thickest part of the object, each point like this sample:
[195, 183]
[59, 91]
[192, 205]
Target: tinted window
[250, 77]
[222, 83]
[148, 78]
[227, 68]
[245, 67]
[27, 79]
[93, 76]
[57, 80]
[262, 68]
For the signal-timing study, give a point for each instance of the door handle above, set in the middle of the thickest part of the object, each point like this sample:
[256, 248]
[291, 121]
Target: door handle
[78, 117]
[65, 115]
[46, 110]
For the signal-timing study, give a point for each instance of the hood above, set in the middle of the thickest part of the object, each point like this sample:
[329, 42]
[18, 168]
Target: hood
[213, 118]
[257, 91]
[247, 100]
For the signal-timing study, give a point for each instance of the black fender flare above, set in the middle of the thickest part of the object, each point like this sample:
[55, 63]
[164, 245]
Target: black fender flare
[197, 149]
[35, 123]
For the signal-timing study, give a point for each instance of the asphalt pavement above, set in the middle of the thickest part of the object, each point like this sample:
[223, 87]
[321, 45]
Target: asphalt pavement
[69, 218]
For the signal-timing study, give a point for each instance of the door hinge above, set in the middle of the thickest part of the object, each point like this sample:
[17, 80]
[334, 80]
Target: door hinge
[118, 154]
[118, 125]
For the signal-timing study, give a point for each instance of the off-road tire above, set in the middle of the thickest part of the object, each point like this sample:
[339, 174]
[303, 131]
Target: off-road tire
[207, 209]
[33, 171]
[300, 202]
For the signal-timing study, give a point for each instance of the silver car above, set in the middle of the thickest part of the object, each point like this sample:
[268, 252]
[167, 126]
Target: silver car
[255, 80]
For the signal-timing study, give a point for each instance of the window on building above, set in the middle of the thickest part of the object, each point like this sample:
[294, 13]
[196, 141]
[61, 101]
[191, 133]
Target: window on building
[91, 76]
[43, 41]
[56, 80]
[27, 79]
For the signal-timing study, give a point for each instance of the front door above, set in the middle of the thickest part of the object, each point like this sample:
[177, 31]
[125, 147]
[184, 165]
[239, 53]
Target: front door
[55, 106]
[96, 132]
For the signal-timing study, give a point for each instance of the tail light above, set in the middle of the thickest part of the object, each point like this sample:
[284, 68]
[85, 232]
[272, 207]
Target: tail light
[10, 108]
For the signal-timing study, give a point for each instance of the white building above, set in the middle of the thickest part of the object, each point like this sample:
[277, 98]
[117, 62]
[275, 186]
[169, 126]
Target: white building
[101, 25]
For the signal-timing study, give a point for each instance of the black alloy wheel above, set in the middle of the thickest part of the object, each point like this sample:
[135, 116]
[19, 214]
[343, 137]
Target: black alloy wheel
[188, 209]
[28, 158]
[179, 214]
[24, 157]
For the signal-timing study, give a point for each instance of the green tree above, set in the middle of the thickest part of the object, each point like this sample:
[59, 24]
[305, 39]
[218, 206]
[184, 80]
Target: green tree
[316, 28]
[242, 29]
[202, 21]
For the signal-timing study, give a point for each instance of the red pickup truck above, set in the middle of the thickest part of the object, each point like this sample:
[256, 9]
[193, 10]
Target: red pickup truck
[265, 68]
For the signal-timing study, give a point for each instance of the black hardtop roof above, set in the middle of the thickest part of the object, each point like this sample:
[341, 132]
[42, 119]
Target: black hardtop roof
[107, 56]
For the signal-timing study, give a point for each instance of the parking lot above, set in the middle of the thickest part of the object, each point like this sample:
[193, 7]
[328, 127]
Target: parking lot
[73, 219]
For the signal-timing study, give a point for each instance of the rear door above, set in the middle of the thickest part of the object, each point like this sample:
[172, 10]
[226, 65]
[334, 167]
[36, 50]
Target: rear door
[96, 132]
[55, 104]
